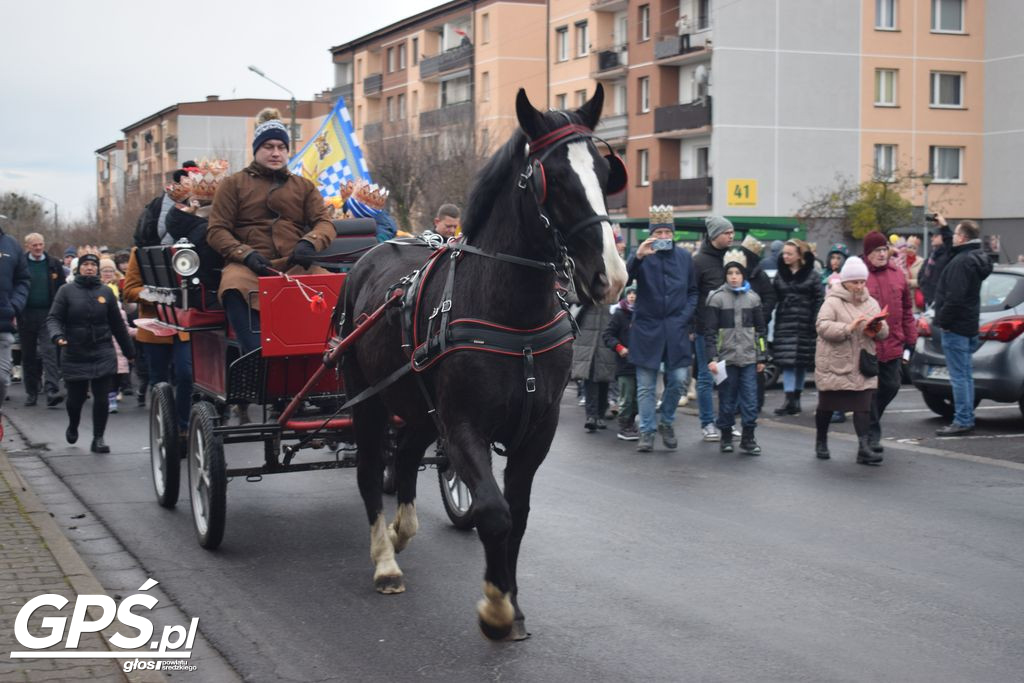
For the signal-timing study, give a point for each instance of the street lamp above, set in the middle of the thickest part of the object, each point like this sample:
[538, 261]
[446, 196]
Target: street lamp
[926, 180]
[293, 106]
[54, 208]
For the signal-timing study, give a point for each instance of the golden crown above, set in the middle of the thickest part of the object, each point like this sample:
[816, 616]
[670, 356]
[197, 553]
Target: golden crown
[205, 177]
[661, 214]
[373, 196]
[735, 256]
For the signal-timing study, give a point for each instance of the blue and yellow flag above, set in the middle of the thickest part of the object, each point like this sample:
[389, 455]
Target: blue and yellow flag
[333, 156]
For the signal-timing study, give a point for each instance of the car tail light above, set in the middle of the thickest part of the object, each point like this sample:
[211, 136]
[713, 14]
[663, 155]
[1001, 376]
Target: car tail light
[924, 328]
[1003, 330]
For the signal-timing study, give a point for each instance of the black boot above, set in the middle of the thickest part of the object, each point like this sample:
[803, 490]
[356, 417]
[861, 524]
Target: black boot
[821, 448]
[98, 445]
[794, 408]
[747, 443]
[725, 443]
[875, 441]
[784, 409]
[864, 454]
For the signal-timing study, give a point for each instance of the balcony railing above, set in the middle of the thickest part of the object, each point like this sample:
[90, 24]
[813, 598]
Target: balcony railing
[460, 57]
[373, 84]
[613, 127]
[610, 59]
[682, 116]
[460, 114]
[682, 192]
[345, 91]
[608, 5]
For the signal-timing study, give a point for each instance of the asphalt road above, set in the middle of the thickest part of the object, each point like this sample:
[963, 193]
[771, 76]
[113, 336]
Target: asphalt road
[689, 565]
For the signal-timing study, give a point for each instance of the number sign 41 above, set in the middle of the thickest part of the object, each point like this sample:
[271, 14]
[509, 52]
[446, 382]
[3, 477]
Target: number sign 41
[742, 192]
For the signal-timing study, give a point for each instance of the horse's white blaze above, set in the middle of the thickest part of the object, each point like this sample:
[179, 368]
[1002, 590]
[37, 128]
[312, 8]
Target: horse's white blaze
[582, 162]
[404, 527]
[382, 552]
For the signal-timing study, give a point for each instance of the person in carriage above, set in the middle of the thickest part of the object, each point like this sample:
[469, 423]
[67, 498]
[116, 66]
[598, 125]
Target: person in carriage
[264, 220]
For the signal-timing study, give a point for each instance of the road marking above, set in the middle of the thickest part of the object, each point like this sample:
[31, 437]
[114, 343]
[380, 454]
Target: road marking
[926, 410]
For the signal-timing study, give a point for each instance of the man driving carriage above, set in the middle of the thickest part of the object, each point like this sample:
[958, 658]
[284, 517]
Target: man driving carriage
[264, 218]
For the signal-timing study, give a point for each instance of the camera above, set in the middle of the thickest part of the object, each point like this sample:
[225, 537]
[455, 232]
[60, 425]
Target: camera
[662, 245]
[932, 217]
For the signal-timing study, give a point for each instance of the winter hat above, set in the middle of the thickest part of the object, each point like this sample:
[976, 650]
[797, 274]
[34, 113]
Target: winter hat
[838, 248]
[88, 258]
[71, 251]
[735, 258]
[716, 225]
[753, 245]
[269, 127]
[873, 240]
[854, 269]
[661, 217]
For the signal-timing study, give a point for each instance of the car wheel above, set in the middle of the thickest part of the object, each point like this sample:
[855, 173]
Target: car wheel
[940, 405]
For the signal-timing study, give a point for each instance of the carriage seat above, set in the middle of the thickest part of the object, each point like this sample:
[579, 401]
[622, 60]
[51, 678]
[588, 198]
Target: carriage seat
[355, 237]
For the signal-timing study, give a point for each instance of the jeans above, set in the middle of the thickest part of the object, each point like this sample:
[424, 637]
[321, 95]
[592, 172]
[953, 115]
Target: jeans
[793, 378]
[244, 321]
[38, 353]
[161, 357]
[627, 398]
[646, 386]
[958, 350]
[890, 377]
[738, 387]
[705, 384]
[6, 342]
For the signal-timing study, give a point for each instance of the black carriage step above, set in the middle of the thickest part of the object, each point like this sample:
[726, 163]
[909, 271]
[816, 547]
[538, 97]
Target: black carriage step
[263, 470]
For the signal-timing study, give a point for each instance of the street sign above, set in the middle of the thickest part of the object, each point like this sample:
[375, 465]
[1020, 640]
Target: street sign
[741, 192]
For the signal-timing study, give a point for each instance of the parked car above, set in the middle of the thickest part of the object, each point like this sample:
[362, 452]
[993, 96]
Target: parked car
[998, 362]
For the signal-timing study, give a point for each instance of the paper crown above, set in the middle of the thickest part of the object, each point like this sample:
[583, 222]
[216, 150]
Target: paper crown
[366, 200]
[181, 190]
[661, 214]
[735, 256]
[335, 207]
[206, 176]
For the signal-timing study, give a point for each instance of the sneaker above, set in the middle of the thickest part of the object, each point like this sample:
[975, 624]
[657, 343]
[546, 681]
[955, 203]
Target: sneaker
[601, 424]
[628, 434]
[112, 404]
[683, 400]
[736, 432]
[591, 424]
[668, 436]
[646, 442]
[710, 432]
[582, 401]
[54, 400]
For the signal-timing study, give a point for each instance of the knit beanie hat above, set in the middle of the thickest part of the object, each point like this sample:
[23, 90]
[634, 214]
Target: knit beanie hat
[838, 248]
[716, 225]
[735, 258]
[873, 240]
[269, 127]
[854, 269]
[753, 244]
[662, 217]
[71, 251]
[87, 258]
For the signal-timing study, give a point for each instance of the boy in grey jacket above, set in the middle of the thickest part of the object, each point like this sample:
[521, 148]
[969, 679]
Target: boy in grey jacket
[734, 334]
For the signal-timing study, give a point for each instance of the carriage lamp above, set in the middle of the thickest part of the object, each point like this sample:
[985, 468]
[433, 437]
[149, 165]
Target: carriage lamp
[185, 261]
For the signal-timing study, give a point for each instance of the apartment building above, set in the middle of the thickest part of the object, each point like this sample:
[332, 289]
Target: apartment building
[141, 164]
[450, 73]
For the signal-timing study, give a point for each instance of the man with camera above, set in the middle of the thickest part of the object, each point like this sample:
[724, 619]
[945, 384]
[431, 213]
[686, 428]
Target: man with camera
[666, 301]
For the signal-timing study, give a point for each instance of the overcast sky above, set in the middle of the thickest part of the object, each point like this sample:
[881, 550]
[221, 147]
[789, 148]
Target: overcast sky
[75, 72]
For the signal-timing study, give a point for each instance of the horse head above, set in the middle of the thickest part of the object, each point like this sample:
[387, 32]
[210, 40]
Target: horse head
[569, 178]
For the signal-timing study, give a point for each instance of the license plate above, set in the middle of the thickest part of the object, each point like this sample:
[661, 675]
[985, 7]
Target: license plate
[938, 372]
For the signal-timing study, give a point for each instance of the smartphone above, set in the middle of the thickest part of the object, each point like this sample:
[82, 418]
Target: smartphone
[662, 245]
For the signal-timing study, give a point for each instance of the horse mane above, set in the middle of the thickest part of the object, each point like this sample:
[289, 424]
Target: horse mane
[491, 181]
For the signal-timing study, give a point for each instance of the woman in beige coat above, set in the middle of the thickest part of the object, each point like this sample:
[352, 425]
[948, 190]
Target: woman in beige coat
[843, 332]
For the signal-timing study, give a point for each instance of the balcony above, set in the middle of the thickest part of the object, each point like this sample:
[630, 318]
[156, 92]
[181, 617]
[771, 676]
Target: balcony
[461, 57]
[611, 63]
[609, 5]
[682, 192]
[460, 114]
[682, 120]
[133, 157]
[373, 84]
[172, 144]
[613, 128]
[671, 49]
[344, 91]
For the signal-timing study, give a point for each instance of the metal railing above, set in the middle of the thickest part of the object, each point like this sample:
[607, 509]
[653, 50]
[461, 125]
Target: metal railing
[373, 84]
[451, 60]
[683, 116]
[682, 192]
[452, 115]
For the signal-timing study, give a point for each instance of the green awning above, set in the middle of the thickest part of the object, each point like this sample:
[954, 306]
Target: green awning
[691, 228]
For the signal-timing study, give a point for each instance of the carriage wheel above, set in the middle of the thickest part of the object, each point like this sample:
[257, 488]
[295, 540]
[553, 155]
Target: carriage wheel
[207, 476]
[390, 484]
[457, 500]
[164, 454]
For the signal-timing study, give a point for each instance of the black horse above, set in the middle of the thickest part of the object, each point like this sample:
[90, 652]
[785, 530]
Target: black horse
[537, 212]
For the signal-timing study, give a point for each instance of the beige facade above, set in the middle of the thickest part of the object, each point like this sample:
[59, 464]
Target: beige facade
[110, 189]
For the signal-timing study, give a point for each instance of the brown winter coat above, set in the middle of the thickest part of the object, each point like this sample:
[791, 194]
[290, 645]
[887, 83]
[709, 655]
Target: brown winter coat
[131, 291]
[837, 356]
[260, 210]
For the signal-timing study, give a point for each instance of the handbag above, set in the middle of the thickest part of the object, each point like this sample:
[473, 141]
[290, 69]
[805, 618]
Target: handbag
[868, 363]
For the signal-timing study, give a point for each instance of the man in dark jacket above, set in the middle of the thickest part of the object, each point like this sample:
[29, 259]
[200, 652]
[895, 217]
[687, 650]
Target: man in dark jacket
[941, 252]
[14, 284]
[152, 225]
[666, 302]
[957, 308]
[38, 352]
[710, 276]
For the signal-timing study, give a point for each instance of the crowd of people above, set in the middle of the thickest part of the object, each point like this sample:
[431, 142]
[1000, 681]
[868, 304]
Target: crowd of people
[702, 319]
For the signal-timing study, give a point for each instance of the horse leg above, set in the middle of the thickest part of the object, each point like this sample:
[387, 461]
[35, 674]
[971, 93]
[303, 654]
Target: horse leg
[413, 441]
[369, 420]
[470, 453]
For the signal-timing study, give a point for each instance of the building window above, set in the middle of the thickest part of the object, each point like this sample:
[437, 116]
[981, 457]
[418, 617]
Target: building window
[485, 86]
[391, 59]
[703, 162]
[885, 14]
[645, 95]
[947, 89]
[703, 15]
[885, 87]
[561, 101]
[401, 105]
[643, 168]
[581, 98]
[562, 44]
[885, 162]
[485, 28]
[947, 164]
[415, 51]
[948, 16]
[391, 108]
[645, 22]
[582, 39]
[621, 102]
[401, 56]
[455, 91]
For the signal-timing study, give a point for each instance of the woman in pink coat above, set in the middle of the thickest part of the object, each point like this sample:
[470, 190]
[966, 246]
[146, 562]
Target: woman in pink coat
[845, 329]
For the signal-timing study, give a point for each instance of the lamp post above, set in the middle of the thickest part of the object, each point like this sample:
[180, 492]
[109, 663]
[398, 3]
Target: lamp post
[293, 106]
[54, 209]
[926, 180]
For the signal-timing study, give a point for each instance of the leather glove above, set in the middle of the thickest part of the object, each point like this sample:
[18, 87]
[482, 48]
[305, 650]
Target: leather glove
[303, 254]
[257, 263]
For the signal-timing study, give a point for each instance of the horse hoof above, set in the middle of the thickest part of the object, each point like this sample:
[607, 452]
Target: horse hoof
[389, 585]
[518, 631]
[494, 632]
